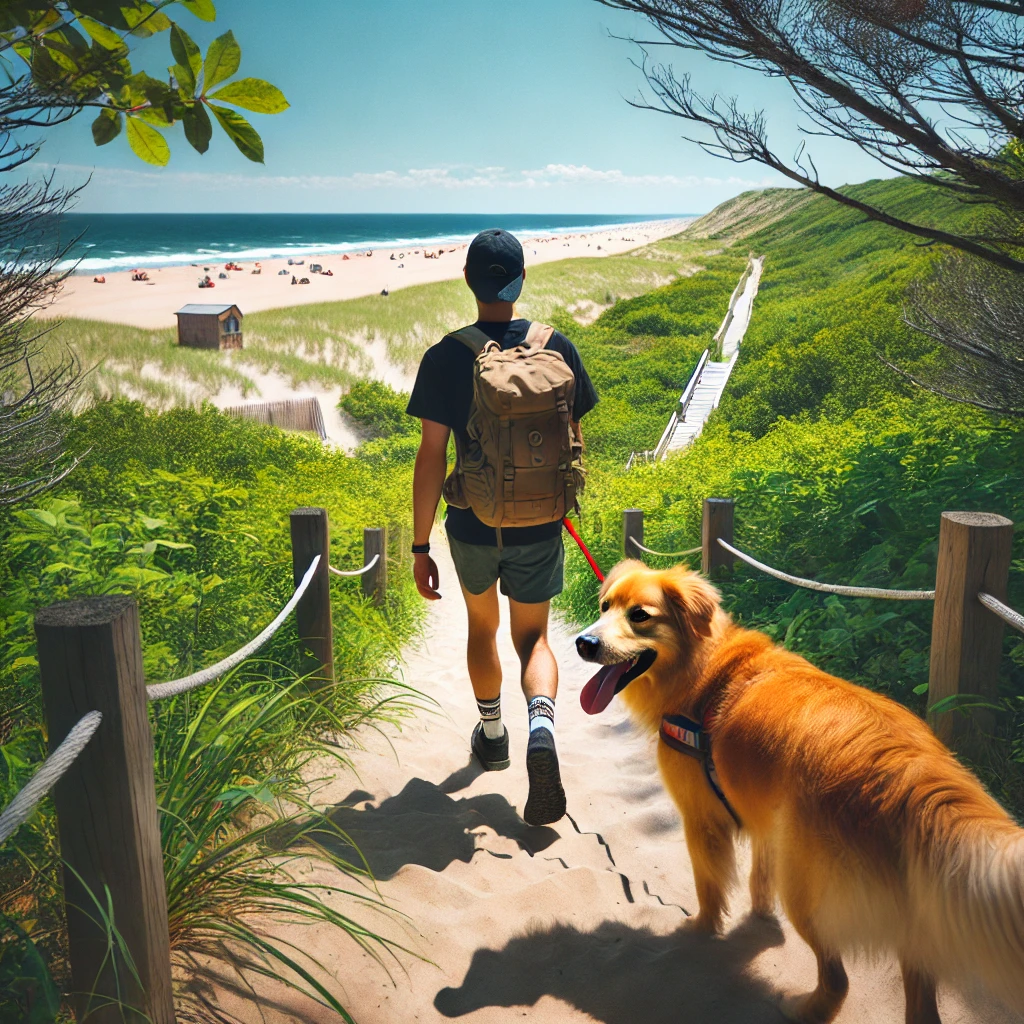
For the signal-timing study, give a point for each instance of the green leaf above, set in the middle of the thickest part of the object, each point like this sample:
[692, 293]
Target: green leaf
[155, 116]
[54, 567]
[211, 583]
[147, 143]
[962, 702]
[921, 688]
[253, 94]
[151, 545]
[145, 20]
[42, 516]
[24, 662]
[202, 9]
[186, 52]
[198, 127]
[106, 127]
[222, 60]
[103, 34]
[241, 133]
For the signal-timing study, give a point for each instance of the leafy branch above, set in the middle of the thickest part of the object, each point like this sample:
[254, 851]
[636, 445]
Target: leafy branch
[63, 57]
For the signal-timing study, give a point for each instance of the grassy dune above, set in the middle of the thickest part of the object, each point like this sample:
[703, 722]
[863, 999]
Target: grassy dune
[335, 343]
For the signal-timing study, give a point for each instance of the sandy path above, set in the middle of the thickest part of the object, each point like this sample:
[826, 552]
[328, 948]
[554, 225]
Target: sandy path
[152, 304]
[579, 922]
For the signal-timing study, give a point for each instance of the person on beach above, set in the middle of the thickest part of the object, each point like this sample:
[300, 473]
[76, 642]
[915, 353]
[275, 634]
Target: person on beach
[528, 561]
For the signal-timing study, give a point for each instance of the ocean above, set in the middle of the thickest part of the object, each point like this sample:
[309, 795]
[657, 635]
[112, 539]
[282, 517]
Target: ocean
[118, 241]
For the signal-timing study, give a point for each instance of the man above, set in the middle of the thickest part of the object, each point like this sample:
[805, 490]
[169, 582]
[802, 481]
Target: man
[529, 562]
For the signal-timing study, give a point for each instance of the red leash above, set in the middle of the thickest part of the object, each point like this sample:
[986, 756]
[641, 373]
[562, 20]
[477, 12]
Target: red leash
[583, 547]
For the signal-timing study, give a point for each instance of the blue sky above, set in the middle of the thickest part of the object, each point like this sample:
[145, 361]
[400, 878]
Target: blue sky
[443, 106]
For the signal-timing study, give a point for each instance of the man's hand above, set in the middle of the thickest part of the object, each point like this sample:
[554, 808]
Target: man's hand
[424, 571]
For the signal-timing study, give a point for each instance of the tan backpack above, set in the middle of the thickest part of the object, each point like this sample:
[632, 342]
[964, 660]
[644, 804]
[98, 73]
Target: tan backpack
[522, 463]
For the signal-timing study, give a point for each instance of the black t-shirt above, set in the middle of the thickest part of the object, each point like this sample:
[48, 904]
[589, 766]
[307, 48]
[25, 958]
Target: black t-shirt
[443, 392]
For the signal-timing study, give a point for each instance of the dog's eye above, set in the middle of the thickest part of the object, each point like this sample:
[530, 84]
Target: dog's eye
[605, 605]
[638, 615]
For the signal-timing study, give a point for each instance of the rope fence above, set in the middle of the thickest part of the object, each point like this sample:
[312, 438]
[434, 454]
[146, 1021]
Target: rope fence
[830, 588]
[160, 691]
[90, 653]
[20, 809]
[1007, 614]
[356, 572]
[663, 554]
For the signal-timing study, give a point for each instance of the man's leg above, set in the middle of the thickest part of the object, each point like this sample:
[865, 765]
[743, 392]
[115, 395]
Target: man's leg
[490, 737]
[477, 568]
[529, 625]
[482, 647]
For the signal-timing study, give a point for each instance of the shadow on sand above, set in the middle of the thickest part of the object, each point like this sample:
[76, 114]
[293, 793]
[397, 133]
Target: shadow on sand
[424, 825]
[622, 975]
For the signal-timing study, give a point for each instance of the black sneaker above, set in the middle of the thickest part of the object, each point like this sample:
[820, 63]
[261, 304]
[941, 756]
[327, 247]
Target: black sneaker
[546, 802]
[492, 754]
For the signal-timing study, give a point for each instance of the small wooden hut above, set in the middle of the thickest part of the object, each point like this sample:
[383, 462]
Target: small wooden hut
[210, 325]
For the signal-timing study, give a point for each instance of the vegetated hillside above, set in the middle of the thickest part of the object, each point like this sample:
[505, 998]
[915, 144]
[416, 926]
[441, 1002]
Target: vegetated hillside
[839, 467]
[188, 513]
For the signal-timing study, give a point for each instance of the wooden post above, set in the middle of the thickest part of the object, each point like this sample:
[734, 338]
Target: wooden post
[375, 582]
[967, 639]
[716, 523]
[311, 536]
[90, 658]
[632, 526]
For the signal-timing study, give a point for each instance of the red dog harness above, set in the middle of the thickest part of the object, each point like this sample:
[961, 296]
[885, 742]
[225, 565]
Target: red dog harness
[693, 738]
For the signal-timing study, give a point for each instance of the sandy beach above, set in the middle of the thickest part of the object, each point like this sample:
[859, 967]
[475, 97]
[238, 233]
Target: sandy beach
[152, 303]
[579, 922]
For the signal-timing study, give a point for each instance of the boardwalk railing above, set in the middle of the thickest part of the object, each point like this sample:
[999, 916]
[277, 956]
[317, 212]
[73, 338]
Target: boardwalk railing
[971, 577]
[707, 383]
[101, 769]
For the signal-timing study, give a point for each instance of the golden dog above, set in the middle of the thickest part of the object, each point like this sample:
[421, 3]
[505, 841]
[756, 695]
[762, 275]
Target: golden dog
[872, 834]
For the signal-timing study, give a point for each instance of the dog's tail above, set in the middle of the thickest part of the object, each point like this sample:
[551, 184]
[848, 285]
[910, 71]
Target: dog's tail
[968, 887]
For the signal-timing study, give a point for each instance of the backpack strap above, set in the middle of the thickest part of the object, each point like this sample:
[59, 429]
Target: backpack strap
[537, 337]
[472, 337]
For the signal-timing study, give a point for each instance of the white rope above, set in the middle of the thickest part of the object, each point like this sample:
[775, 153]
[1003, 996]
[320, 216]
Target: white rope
[832, 588]
[663, 554]
[157, 691]
[357, 572]
[17, 812]
[1007, 614]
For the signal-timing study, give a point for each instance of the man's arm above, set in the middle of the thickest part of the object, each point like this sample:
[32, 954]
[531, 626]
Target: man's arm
[427, 481]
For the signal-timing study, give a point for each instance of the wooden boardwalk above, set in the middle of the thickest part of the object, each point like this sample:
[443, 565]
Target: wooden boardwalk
[708, 382]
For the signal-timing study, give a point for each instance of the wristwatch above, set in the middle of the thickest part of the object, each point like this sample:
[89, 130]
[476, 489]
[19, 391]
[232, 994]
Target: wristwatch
[421, 549]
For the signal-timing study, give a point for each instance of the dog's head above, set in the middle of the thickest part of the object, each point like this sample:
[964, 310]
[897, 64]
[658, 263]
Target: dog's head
[648, 617]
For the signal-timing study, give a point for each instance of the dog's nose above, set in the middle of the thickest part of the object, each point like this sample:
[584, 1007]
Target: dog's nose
[587, 646]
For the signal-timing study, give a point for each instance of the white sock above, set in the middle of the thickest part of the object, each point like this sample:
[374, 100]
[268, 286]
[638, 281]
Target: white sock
[542, 714]
[490, 717]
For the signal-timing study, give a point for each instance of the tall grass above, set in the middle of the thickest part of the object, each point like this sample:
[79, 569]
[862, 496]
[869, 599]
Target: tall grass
[238, 765]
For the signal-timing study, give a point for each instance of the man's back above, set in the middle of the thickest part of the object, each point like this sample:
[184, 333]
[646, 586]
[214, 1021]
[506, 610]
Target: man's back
[443, 393]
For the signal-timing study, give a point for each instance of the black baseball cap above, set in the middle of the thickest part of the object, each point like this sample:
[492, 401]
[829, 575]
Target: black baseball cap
[494, 266]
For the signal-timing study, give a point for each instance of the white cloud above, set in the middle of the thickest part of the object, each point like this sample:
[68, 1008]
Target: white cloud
[455, 178]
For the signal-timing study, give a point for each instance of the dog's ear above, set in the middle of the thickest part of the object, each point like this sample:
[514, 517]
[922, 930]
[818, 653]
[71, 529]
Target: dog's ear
[619, 570]
[692, 599]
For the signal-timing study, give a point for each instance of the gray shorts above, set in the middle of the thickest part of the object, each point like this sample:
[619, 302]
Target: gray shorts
[529, 573]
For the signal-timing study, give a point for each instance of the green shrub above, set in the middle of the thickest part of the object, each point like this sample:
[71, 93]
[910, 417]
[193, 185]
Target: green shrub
[377, 409]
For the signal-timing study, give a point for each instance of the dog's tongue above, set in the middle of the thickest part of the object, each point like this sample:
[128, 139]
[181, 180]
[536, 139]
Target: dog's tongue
[598, 693]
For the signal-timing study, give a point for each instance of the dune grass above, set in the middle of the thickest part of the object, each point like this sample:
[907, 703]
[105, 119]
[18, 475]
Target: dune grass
[332, 344]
